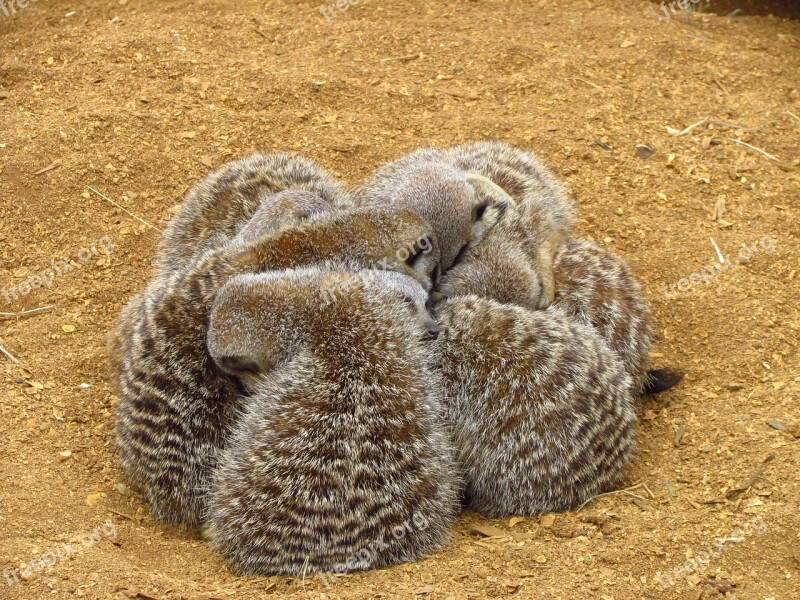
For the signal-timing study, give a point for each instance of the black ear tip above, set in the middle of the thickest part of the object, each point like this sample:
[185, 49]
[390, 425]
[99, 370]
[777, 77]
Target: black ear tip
[501, 207]
[660, 380]
[236, 365]
[434, 299]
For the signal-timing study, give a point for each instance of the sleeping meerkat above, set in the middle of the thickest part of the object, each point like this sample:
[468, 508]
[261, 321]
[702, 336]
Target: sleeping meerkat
[340, 461]
[541, 409]
[176, 406]
[542, 221]
[448, 198]
[596, 288]
[592, 285]
[219, 206]
[500, 268]
[289, 206]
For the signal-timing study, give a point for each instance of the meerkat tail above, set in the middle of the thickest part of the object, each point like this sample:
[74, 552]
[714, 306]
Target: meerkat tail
[660, 380]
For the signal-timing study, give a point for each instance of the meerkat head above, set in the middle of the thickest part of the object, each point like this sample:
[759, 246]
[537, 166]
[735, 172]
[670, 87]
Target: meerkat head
[407, 292]
[286, 207]
[407, 244]
[386, 239]
[461, 207]
[242, 317]
[260, 322]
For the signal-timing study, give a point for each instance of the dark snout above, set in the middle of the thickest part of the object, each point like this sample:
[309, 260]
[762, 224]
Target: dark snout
[431, 328]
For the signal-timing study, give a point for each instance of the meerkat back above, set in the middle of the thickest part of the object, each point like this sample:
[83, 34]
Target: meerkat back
[542, 411]
[340, 461]
[218, 207]
[597, 287]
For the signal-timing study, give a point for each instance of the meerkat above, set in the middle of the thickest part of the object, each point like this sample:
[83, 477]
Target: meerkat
[542, 411]
[591, 284]
[596, 287]
[217, 208]
[289, 206]
[448, 198]
[542, 220]
[500, 268]
[176, 405]
[340, 461]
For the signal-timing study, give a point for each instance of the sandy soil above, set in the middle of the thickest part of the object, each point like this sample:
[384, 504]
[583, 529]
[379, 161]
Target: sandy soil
[138, 99]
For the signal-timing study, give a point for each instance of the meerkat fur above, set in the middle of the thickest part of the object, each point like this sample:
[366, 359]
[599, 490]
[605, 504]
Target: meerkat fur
[541, 409]
[341, 461]
[176, 405]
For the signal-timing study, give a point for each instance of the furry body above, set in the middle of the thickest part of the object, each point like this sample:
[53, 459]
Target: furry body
[340, 461]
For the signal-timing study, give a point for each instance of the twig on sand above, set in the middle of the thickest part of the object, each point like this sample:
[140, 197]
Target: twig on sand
[405, 58]
[303, 577]
[719, 254]
[122, 208]
[688, 129]
[25, 313]
[736, 492]
[53, 165]
[9, 355]
[767, 154]
[649, 491]
[625, 491]
[587, 82]
[709, 121]
[731, 125]
[719, 83]
[791, 114]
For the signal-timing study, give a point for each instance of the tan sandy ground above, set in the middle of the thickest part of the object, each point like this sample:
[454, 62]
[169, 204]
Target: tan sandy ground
[139, 99]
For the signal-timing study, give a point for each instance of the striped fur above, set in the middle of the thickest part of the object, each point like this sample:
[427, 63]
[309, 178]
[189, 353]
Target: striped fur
[597, 288]
[542, 410]
[176, 407]
[340, 461]
[222, 204]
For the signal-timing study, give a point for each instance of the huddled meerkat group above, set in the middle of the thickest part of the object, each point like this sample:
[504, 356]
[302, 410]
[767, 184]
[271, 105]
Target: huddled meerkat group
[323, 377]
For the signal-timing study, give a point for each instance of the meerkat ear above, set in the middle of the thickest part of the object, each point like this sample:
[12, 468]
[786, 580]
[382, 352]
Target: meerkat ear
[485, 186]
[237, 365]
[489, 212]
